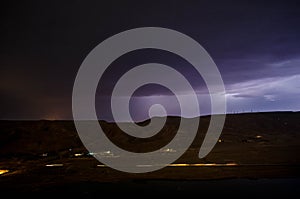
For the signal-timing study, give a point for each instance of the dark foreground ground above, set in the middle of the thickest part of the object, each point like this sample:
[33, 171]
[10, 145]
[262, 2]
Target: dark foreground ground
[261, 149]
[233, 188]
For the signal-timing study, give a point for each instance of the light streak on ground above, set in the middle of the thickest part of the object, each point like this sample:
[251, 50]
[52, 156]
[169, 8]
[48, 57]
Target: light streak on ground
[203, 165]
[3, 171]
[78, 154]
[185, 165]
[54, 165]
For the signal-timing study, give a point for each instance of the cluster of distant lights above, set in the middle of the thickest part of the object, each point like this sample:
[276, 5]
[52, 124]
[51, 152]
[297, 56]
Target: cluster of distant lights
[108, 154]
[167, 150]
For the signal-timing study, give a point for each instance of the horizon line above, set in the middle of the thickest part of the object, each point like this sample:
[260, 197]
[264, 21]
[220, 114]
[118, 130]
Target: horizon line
[168, 116]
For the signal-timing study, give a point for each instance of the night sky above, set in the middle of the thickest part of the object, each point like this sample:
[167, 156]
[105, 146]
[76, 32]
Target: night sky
[255, 44]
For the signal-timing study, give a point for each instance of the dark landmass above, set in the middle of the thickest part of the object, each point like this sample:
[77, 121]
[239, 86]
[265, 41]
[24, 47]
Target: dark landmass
[263, 147]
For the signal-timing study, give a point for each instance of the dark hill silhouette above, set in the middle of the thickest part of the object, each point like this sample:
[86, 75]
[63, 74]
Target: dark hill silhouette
[261, 145]
[33, 138]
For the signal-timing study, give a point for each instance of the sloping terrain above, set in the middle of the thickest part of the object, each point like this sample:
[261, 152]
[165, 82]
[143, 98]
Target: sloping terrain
[45, 155]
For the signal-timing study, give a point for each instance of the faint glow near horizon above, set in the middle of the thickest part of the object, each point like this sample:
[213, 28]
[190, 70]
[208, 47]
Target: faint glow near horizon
[268, 94]
[256, 95]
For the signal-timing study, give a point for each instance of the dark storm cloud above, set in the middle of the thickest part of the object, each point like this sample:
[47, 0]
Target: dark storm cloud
[43, 44]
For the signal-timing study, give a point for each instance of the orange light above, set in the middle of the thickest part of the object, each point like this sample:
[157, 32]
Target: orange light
[3, 171]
